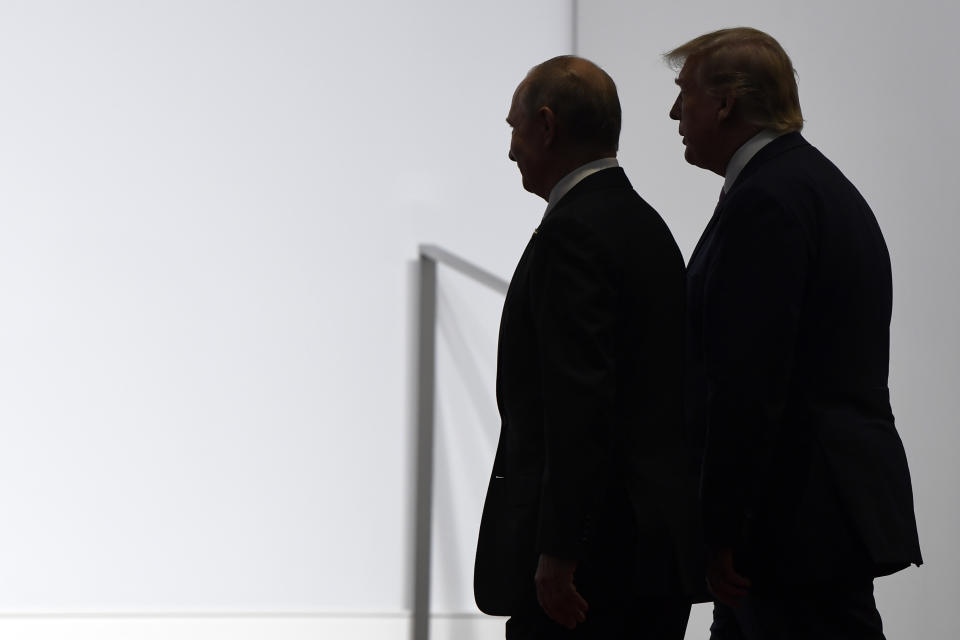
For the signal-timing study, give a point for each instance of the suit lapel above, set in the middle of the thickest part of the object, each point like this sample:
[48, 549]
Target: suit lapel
[707, 231]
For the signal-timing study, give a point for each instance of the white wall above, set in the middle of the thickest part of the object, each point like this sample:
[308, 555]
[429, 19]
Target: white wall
[208, 216]
[879, 91]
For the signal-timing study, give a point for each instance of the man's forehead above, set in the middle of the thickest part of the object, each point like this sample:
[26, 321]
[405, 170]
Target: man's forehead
[688, 76]
[519, 90]
[515, 101]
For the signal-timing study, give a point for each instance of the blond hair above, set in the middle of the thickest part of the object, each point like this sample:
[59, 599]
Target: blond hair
[754, 67]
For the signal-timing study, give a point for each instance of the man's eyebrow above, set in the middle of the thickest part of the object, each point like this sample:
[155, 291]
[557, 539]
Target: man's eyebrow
[676, 81]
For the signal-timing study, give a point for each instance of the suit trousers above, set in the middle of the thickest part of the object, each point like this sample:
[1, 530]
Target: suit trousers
[841, 610]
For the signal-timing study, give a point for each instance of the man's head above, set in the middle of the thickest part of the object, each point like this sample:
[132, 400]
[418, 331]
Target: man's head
[564, 114]
[733, 83]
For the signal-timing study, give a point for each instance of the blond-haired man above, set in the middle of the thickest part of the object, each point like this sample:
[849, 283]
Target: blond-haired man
[805, 491]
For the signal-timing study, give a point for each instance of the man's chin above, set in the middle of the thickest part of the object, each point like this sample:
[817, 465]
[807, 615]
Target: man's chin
[529, 187]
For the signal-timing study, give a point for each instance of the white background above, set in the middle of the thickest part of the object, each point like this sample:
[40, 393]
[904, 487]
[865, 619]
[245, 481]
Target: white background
[208, 216]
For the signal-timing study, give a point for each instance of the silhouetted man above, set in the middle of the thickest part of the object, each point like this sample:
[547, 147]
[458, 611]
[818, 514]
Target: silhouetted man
[587, 522]
[806, 494]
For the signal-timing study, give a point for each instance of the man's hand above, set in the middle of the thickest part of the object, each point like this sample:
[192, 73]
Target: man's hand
[724, 582]
[556, 592]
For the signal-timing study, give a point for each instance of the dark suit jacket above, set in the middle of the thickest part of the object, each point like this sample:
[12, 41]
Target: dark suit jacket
[590, 464]
[789, 301]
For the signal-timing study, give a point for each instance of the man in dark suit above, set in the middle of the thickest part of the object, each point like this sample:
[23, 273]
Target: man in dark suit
[806, 495]
[587, 526]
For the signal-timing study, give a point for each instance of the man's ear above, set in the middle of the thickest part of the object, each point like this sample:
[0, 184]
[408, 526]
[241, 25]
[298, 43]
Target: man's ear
[725, 110]
[547, 122]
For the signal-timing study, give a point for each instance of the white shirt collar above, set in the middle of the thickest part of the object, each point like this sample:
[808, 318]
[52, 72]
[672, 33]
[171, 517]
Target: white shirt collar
[573, 178]
[745, 153]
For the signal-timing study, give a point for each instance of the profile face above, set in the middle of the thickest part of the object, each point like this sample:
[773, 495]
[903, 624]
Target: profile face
[697, 111]
[524, 147]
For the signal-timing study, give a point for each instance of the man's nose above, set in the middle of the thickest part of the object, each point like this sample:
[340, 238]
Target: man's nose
[675, 109]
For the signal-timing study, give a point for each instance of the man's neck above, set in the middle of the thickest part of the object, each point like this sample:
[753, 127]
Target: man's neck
[735, 139]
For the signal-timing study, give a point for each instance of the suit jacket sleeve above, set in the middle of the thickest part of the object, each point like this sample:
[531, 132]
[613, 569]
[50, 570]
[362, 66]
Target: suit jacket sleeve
[753, 297]
[574, 307]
